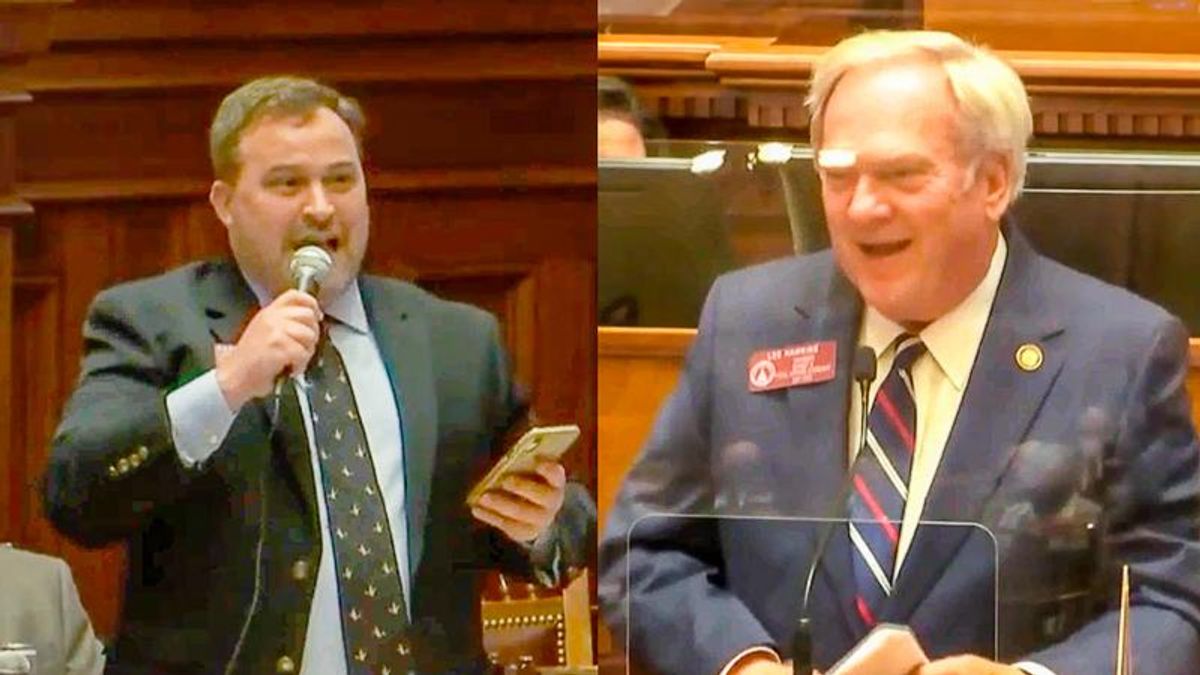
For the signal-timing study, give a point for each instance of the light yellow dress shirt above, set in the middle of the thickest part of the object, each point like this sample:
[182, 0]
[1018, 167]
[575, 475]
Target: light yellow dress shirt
[939, 379]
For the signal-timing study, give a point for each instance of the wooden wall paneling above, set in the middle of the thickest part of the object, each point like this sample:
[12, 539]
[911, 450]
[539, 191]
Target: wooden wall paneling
[113, 140]
[97, 246]
[505, 292]
[143, 238]
[566, 362]
[41, 387]
[24, 31]
[104, 20]
[453, 241]
[1112, 115]
[9, 480]
[202, 235]
[122, 67]
[1112, 25]
[36, 369]
[99, 145]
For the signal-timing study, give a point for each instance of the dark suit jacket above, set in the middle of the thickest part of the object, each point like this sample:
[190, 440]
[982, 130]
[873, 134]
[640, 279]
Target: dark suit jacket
[114, 474]
[1088, 460]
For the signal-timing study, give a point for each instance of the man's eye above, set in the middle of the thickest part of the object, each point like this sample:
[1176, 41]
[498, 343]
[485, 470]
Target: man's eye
[903, 177]
[284, 183]
[838, 177]
[340, 180]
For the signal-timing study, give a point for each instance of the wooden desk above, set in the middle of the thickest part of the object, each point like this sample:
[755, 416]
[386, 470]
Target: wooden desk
[637, 368]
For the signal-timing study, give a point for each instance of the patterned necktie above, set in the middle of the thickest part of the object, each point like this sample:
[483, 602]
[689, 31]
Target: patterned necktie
[374, 619]
[881, 472]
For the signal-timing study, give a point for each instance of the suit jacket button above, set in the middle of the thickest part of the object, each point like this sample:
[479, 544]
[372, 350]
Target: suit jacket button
[143, 453]
[135, 461]
[285, 665]
[300, 569]
[123, 465]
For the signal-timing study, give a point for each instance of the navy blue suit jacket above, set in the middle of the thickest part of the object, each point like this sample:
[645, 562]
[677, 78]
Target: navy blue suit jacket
[1088, 461]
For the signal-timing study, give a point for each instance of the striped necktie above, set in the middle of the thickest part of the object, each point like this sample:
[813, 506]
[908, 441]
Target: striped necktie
[881, 473]
[371, 596]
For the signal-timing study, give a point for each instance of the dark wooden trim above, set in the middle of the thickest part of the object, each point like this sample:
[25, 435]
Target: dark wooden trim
[1073, 94]
[96, 22]
[423, 181]
[643, 342]
[116, 68]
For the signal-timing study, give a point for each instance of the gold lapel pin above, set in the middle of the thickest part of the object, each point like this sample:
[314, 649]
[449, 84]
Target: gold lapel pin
[1029, 357]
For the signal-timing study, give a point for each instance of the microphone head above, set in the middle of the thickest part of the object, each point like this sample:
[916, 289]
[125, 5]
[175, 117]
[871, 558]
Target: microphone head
[309, 266]
[864, 364]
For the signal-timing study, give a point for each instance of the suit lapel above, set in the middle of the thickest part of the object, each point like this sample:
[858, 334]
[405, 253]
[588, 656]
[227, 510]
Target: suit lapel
[228, 301]
[829, 313]
[402, 333]
[999, 406]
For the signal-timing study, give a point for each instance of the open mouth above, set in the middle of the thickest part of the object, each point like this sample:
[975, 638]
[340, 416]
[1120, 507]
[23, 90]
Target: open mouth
[330, 244]
[886, 249]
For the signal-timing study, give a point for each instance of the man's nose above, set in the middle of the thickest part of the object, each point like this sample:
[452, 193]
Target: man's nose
[318, 210]
[867, 200]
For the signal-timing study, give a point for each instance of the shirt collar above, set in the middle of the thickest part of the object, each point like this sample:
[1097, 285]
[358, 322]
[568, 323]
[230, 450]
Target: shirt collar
[346, 307]
[953, 339]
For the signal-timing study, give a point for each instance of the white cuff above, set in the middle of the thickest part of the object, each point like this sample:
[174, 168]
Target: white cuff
[200, 418]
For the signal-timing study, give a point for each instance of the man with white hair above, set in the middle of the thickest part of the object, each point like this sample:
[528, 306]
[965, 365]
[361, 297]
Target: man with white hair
[1043, 406]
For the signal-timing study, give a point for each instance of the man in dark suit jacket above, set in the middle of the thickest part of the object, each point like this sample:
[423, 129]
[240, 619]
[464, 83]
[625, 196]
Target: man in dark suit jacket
[178, 439]
[1050, 412]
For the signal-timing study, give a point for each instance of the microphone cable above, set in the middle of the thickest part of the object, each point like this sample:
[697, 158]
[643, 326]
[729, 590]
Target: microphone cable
[309, 266]
[864, 375]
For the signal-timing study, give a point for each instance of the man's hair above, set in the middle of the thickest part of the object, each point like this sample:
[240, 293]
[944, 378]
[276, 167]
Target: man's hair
[266, 97]
[615, 99]
[993, 108]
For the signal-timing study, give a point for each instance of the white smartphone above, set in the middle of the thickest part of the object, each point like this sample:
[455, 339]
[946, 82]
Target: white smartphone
[539, 443]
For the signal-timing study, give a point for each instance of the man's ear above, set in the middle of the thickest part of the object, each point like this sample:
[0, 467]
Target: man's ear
[220, 195]
[996, 174]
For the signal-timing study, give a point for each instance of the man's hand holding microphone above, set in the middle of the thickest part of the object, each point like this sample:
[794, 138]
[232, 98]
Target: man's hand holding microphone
[281, 338]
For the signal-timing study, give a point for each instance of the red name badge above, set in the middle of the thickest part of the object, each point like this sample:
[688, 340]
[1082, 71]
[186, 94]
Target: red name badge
[795, 365]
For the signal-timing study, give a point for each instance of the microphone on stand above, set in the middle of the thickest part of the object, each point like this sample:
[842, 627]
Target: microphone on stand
[864, 374]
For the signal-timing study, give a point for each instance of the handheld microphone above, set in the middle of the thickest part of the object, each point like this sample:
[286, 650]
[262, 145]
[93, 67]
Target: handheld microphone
[309, 266]
[864, 374]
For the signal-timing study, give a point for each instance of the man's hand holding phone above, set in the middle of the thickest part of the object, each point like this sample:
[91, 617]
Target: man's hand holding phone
[523, 492]
[522, 505]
